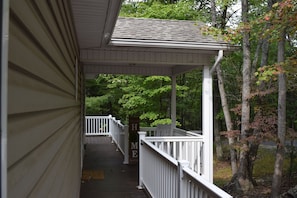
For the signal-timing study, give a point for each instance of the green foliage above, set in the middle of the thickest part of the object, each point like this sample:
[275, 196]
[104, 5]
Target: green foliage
[94, 105]
[147, 97]
[267, 73]
[182, 10]
[161, 121]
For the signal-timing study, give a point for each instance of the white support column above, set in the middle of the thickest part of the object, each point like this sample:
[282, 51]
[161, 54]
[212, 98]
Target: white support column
[173, 102]
[207, 124]
[140, 154]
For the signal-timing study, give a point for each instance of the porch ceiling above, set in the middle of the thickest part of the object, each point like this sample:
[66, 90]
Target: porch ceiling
[138, 46]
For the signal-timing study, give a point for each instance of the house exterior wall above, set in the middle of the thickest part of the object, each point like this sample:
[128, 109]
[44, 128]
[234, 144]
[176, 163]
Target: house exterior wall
[44, 101]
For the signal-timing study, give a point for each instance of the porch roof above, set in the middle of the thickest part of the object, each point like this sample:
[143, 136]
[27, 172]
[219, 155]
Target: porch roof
[165, 34]
[113, 45]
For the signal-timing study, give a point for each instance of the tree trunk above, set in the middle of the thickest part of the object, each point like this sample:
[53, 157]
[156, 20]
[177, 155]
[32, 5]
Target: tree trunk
[265, 41]
[227, 116]
[243, 176]
[280, 151]
[213, 13]
[222, 92]
[224, 16]
[216, 128]
[253, 146]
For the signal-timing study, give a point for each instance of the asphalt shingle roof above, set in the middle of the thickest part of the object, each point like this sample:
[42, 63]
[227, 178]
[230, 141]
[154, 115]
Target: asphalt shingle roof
[161, 30]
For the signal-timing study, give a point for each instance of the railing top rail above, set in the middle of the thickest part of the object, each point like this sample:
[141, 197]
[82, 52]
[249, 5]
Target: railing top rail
[118, 122]
[212, 189]
[174, 138]
[96, 116]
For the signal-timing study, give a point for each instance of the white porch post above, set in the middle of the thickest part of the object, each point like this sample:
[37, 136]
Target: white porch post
[173, 102]
[142, 135]
[207, 124]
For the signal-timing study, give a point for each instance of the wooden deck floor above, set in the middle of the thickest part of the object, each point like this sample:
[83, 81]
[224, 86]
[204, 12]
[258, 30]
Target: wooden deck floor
[105, 175]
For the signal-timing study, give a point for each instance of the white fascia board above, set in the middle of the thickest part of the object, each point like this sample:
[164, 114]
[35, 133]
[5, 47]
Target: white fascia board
[171, 44]
[114, 7]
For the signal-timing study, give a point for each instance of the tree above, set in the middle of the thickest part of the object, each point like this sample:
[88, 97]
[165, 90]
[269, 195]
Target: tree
[283, 16]
[222, 92]
[243, 181]
[281, 132]
[282, 92]
[180, 10]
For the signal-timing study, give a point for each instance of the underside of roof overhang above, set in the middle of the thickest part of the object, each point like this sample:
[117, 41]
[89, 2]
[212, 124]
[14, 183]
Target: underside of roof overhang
[100, 52]
[143, 61]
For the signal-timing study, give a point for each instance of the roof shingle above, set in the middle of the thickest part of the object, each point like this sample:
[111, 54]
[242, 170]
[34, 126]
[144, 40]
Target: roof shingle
[161, 30]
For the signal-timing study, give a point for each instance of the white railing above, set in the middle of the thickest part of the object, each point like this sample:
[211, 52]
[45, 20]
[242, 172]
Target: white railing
[150, 131]
[117, 133]
[97, 125]
[107, 125]
[182, 148]
[163, 176]
[165, 130]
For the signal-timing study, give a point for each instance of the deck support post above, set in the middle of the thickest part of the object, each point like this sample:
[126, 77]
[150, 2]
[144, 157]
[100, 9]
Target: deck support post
[207, 125]
[173, 103]
[140, 154]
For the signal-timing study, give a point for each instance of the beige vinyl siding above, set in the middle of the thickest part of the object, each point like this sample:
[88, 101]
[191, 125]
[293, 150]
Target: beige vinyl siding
[44, 108]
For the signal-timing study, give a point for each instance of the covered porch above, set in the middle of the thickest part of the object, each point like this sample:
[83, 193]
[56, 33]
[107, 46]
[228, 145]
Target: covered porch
[171, 163]
[180, 160]
[53, 46]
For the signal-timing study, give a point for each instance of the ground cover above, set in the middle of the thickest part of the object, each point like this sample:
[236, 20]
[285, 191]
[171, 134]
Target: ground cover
[263, 171]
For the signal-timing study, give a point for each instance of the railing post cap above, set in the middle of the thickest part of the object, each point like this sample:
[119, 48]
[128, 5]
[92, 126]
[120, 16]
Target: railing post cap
[183, 163]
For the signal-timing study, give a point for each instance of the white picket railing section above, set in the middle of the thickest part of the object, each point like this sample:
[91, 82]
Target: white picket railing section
[182, 148]
[117, 134]
[97, 125]
[163, 176]
[107, 125]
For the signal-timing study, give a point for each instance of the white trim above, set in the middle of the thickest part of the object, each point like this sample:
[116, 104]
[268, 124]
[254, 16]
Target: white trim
[207, 124]
[170, 44]
[4, 82]
[173, 103]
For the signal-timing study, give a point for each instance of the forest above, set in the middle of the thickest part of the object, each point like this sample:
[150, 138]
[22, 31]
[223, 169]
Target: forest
[255, 87]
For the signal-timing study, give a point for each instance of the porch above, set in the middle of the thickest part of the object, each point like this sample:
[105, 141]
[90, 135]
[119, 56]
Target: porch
[104, 174]
[171, 164]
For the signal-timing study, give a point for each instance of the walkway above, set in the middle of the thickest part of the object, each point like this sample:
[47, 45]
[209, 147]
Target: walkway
[104, 173]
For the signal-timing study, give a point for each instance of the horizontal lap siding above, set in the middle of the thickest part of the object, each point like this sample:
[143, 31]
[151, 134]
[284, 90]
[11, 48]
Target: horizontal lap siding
[44, 101]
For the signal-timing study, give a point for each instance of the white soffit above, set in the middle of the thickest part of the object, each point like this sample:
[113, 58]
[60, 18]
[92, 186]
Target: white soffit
[94, 21]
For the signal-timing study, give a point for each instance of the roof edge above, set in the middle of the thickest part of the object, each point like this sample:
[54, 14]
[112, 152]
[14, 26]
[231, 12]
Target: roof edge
[111, 19]
[172, 44]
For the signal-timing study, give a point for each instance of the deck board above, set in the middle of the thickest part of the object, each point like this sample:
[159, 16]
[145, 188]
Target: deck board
[118, 180]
